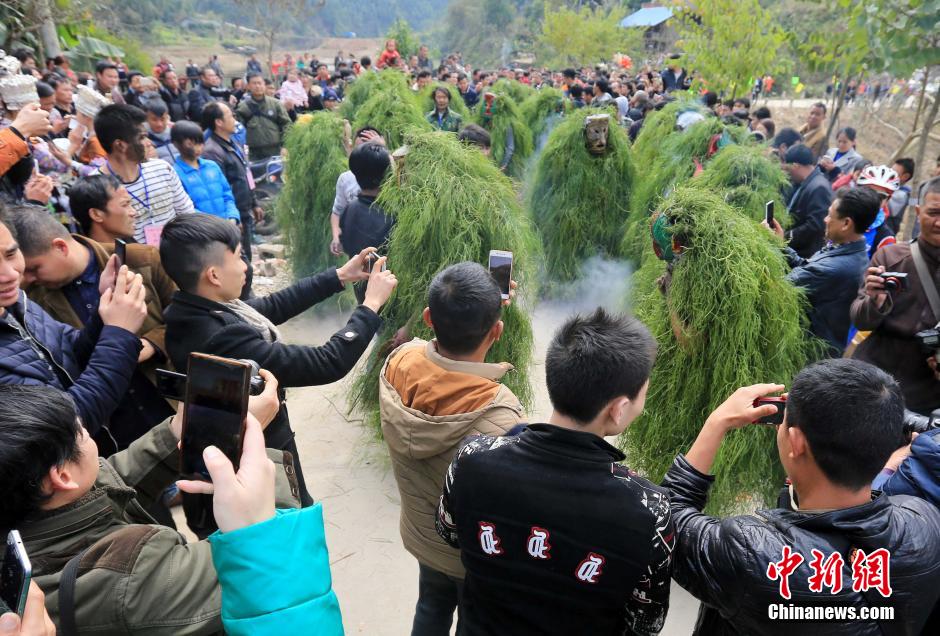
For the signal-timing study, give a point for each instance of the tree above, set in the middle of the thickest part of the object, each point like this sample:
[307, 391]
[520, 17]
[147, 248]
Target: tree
[583, 36]
[276, 17]
[404, 37]
[729, 42]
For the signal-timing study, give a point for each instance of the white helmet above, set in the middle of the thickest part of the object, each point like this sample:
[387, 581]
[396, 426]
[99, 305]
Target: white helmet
[881, 178]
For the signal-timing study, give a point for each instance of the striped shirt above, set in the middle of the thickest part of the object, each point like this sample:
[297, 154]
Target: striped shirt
[157, 196]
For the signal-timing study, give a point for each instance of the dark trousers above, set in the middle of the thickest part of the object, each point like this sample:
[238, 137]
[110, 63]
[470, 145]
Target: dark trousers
[438, 596]
[248, 224]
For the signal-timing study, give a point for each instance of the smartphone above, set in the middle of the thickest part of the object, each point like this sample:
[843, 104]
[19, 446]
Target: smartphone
[120, 250]
[73, 122]
[501, 270]
[777, 418]
[171, 385]
[214, 411]
[15, 574]
[371, 260]
[769, 214]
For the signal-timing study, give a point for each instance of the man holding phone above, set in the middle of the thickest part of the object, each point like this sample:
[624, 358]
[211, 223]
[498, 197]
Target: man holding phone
[94, 365]
[733, 564]
[63, 273]
[57, 489]
[201, 253]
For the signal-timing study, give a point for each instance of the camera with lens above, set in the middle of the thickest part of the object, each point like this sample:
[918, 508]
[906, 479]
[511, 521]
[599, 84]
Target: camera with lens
[917, 423]
[172, 386]
[894, 281]
[929, 340]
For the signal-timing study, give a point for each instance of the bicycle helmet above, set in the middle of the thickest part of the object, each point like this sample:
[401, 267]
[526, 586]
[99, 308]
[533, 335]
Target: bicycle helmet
[881, 178]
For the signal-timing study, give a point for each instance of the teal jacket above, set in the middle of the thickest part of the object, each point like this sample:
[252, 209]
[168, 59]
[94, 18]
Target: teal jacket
[275, 576]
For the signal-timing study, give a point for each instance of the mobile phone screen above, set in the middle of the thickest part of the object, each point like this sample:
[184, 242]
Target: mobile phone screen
[15, 574]
[171, 385]
[214, 411]
[120, 250]
[501, 270]
[769, 213]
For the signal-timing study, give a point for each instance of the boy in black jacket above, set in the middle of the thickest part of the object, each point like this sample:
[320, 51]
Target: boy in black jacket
[200, 252]
[556, 535]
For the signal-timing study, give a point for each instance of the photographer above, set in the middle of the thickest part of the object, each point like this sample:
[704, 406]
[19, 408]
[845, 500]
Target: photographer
[898, 309]
[201, 253]
[830, 277]
[739, 566]
[80, 514]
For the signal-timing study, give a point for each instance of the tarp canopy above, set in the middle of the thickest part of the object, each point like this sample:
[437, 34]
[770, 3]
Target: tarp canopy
[647, 17]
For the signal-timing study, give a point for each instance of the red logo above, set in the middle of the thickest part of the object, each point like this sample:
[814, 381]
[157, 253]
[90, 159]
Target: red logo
[872, 571]
[783, 569]
[826, 573]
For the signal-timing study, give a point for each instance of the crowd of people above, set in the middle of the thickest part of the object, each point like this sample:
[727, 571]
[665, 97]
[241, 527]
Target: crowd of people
[523, 528]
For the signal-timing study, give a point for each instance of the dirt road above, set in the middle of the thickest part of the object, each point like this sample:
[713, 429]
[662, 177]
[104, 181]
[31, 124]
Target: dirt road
[348, 469]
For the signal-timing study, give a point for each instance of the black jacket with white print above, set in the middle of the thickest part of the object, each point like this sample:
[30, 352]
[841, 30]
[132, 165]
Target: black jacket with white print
[556, 536]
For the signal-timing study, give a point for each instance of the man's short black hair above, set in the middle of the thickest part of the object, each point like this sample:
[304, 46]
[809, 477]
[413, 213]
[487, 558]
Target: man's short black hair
[744, 101]
[22, 54]
[103, 66]
[465, 303]
[603, 85]
[191, 242]
[35, 228]
[800, 154]
[569, 73]
[91, 192]
[155, 106]
[476, 135]
[594, 359]
[819, 105]
[906, 163]
[788, 136]
[709, 99]
[39, 429]
[365, 60]
[369, 163]
[424, 73]
[859, 204]
[575, 91]
[118, 122]
[852, 414]
[44, 90]
[761, 112]
[252, 76]
[131, 75]
[186, 130]
[211, 112]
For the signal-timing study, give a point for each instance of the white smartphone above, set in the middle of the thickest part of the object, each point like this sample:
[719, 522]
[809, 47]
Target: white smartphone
[501, 270]
[15, 574]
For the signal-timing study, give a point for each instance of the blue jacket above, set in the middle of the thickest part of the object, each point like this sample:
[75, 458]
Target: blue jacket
[831, 278]
[919, 474]
[275, 576]
[93, 365]
[208, 189]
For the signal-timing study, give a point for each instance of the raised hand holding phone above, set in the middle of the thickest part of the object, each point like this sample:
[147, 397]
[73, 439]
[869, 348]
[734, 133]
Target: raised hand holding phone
[35, 620]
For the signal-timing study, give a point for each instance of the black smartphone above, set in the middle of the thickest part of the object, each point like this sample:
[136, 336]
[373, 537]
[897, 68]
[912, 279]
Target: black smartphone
[171, 385]
[769, 213]
[777, 418]
[15, 574]
[214, 411]
[501, 270]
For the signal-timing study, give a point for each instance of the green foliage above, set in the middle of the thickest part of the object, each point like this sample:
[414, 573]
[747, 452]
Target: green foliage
[537, 109]
[658, 125]
[747, 180]
[404, 37]
[316, 159]
[844, 56]
[729, 42]
[392, 110]
[904, 34]
[507, 116]
[367, 85]
[518, 91]
[579, 201]
[425, 100]
[451, 205]
[739, 327]
[466, 28]
[572, 37]
[675, 164]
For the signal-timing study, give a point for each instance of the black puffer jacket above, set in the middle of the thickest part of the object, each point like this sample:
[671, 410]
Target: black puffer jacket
[723, 562]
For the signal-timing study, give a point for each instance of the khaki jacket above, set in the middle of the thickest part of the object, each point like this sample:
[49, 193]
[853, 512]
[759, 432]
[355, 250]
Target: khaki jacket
[141, 259]
[815, 139]
[136, 576]
[429, 404]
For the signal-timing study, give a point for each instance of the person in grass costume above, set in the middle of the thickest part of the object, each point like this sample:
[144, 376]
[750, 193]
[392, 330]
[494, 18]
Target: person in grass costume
[451, 204]
[316, 157]
[511, 137]
[542, 112]
[368, 84]
[393, 113]
[581, 190]
[724, 316]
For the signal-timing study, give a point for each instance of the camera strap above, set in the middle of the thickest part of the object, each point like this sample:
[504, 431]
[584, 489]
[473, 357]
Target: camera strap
[926, 281]
[67, 623]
